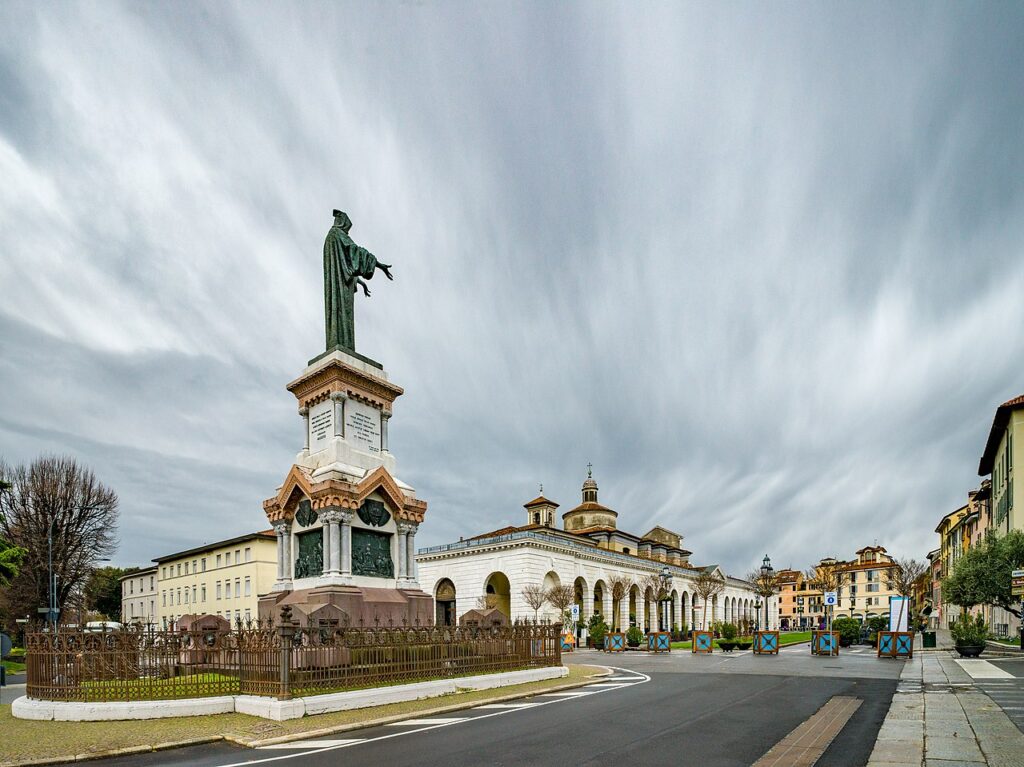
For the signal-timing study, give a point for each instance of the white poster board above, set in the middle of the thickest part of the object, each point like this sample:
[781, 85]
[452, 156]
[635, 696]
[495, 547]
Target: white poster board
[899, 613]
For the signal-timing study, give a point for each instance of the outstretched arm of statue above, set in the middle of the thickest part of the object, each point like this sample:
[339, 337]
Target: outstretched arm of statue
[361, 284]
[386, 269]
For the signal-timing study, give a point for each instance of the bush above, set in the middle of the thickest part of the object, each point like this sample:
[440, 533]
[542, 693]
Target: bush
[729, 631]
[848, 628]
[969, 631]
[634, 636]
[596, 629]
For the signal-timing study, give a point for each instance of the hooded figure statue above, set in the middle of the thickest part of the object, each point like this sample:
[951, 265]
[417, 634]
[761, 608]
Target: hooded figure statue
[346, 265]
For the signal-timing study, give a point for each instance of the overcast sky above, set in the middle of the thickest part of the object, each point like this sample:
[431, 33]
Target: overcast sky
[760, 264]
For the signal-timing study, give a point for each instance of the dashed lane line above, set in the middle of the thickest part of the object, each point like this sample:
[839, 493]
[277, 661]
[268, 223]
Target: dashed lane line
[640, 679]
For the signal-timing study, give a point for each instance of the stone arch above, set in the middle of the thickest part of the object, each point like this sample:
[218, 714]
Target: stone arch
[581, 596]
[498, 590]
[685, 609]
[634, 614]
[551, 580]
[694, 612]
[649, 614]
[444, 603]
[600, 594]
[673, 612]
[715, 614]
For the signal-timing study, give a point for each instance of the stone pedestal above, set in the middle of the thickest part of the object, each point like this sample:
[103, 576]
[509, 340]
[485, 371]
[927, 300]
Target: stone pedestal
[346, 524]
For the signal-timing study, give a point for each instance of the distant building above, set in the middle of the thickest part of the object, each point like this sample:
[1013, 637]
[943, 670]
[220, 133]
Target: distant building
[139, 597]
[935, 574]
[800, 601]
[866, 591]
[589, 553]
[223, 578]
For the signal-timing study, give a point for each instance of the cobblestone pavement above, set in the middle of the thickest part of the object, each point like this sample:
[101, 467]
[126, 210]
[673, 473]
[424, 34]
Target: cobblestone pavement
[941, 717]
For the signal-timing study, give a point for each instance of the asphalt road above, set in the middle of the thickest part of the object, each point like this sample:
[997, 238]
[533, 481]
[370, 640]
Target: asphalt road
[1008, 692]
[679, 709]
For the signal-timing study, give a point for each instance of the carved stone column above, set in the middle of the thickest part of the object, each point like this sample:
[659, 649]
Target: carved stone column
[384, 418]
[403, 529]
[410, 554]
[331, 518]
[304, 412]
[325, 538]
[339, 398]
[280, 527]
[346, 542]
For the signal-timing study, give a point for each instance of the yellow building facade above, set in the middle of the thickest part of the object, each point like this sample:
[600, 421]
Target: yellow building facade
[223, 578]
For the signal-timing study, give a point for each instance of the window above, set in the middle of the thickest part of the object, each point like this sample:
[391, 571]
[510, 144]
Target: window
[179, 569]
[203, 563]
[186, 595]
[218, 589]
[194, 594]
[238, 615]
[872, 587]
[248, 615]
[238, 589]
[625, 550]
[853, 577]
[202, 592]
[131, 587]
[151, 583]
[163, 597]
[179, 597]
[238, 556]
[248, 554]
[248, 588]
[218, 560]
[151, 608]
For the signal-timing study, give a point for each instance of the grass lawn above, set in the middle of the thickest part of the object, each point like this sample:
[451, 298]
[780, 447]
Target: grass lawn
[187, 686]
[785, 638]
[25, 740]
[13, 667]
[1007, 642]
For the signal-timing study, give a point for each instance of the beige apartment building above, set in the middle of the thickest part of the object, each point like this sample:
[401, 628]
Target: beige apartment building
[139, 597]
[223, 578]
[865, 585]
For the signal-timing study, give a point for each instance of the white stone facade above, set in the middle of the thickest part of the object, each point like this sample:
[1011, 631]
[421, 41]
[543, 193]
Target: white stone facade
[503, 564]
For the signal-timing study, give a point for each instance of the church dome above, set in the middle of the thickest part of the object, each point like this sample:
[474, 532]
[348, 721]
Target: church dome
[589, 514]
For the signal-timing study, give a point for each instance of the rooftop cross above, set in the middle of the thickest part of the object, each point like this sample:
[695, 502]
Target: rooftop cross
[590, 466]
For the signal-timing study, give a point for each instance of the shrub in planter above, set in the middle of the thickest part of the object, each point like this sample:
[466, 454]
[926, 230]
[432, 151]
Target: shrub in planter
[596, 629]
[849, 631]
[634, 636]
[969, 635]
[729, 631]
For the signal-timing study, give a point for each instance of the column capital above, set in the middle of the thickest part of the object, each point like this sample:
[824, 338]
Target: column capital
[405, 526]
[331, 514]
[303, 411]
[339, 396]
[281, 526]
[385, 414]
[345, 516]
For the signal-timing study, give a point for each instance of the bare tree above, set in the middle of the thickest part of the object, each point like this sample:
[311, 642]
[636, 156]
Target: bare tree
[901, 579]
[535, 596]
[656, 586]
[619, 586]
[708, 585]
[55, 494]
[487, 602]
[562, 598]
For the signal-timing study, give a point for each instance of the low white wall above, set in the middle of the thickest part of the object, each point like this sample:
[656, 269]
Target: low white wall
[272, 708]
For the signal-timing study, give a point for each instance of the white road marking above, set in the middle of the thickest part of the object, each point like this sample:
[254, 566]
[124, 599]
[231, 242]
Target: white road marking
[308, 744]
[605, 685]
[567, 693]
[507, 705]
[427, 722]
[982, 669]
[641, 679]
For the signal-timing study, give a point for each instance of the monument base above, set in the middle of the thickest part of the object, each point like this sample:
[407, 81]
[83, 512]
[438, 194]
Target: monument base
[351, 606]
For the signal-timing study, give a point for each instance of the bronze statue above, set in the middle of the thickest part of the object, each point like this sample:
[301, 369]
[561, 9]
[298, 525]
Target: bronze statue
[346, 266]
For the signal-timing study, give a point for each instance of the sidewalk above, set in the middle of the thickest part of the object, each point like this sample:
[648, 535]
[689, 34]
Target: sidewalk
[938, 719]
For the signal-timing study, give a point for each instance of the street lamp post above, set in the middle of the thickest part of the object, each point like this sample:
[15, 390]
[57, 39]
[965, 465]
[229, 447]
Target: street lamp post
[666, 582]
[766, 573]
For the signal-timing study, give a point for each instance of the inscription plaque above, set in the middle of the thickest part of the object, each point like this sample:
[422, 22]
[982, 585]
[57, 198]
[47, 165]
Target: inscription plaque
[321, 425]
[362, 426]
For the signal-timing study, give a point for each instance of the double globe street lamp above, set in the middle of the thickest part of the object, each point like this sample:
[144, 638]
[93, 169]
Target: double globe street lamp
[767, 573]
[666, 583]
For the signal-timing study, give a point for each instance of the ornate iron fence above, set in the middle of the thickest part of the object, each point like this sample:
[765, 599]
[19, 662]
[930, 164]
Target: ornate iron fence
[286, 660]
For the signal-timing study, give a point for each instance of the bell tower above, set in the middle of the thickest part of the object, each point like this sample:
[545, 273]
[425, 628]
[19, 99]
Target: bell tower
[540, 511]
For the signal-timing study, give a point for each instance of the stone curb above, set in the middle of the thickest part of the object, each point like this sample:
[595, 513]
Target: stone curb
[297, 736]
[310, 734]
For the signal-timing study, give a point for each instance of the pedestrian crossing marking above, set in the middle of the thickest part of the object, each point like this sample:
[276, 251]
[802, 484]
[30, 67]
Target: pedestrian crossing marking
[311, 744]
[428, 722]
[982, 669]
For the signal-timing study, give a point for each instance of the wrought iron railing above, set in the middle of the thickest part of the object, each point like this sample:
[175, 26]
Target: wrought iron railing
[284, 660]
